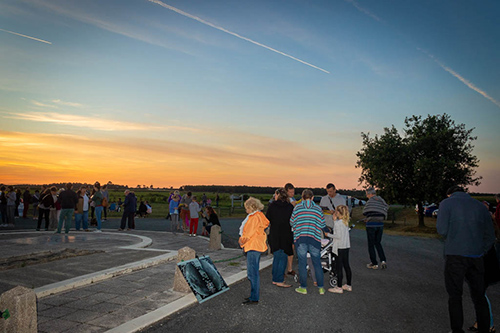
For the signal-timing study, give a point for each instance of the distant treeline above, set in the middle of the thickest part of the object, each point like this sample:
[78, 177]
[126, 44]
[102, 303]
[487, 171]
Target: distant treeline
[240, 189]
[231, 189]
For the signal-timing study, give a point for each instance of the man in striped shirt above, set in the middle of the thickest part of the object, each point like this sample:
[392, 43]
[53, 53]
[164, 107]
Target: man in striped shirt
[376, 212]
[308, 223]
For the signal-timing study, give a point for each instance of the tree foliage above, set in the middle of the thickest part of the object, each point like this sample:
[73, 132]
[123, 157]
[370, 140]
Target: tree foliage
[419, 166]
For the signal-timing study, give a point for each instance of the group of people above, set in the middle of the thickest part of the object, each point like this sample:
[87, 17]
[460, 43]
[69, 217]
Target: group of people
[464, 222]
[303, 225]
[186, 209]
[66, 202]
[47, 205]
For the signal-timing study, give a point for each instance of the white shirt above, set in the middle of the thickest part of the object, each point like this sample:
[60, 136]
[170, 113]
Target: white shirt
[85, 203]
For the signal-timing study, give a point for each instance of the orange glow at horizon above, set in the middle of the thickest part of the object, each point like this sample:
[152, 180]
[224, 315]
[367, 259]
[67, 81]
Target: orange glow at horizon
[27, 158]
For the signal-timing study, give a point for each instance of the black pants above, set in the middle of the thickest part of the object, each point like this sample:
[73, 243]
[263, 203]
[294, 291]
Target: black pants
[127, 216]
[374, 235]
[43, 213]
[457, 269]
[343, 264]
[3, 211]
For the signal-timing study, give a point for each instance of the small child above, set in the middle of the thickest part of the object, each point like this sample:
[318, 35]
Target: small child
[194, 210]
[341, 247]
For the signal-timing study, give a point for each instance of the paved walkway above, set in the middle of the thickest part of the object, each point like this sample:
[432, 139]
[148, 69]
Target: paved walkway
[126, 287]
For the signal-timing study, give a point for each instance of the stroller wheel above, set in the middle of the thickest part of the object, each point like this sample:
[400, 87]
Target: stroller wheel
[333, 282]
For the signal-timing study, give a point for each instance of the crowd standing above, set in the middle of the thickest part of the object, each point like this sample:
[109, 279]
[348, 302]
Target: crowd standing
[299, 226]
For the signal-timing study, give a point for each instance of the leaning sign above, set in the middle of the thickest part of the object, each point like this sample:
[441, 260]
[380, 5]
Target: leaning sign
[203, 278]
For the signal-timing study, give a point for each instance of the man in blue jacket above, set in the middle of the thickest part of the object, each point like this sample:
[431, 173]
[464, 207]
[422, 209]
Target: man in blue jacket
[466, 225]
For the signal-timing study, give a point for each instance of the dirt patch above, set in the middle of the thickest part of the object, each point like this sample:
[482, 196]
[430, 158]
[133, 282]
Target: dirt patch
[42, 257]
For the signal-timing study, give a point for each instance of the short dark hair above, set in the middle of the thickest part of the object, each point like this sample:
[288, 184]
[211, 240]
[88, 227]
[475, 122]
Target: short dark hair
[307, 194]
[330, 185]
[289, 186]
[97, 185]
[453, 189]
[189, 194]
[69, 186]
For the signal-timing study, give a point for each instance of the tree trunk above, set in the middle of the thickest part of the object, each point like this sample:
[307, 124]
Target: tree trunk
[421, 223]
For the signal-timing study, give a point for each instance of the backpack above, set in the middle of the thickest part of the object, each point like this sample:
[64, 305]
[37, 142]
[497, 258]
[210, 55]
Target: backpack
[104, 202]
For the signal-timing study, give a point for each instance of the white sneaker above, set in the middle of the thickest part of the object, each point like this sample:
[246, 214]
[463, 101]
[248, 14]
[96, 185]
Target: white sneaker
[336, 290]
[194, 235]
[383, 265]
[371, 266]
[347, 287]
[97, 230]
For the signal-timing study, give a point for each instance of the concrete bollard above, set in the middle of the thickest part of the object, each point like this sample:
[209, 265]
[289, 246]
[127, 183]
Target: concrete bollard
[180, 284]
[215, 238]
[21, 303]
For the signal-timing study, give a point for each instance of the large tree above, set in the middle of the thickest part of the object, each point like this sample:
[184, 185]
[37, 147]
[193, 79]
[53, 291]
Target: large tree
[419, 166]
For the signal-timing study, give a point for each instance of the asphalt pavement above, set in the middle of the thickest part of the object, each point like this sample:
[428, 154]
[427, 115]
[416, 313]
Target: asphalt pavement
[409, 296]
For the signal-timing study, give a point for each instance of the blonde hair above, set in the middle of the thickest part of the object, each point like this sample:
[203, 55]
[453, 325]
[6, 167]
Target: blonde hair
[343, 214]
[253, 204]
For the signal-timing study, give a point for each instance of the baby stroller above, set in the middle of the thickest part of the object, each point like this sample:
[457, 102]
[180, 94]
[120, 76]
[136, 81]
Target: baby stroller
[328, 262]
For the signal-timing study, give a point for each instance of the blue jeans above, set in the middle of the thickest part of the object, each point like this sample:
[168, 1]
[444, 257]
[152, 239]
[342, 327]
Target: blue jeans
[302, 249]
[79, 218]
[253, 260]
[98, 214]
[374, 235]
[65, 217]
[280, 261]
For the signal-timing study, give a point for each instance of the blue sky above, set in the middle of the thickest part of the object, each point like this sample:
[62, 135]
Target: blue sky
[161, 96]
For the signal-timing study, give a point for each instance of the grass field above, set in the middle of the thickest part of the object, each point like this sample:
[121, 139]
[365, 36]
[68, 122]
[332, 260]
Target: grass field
[159, 202]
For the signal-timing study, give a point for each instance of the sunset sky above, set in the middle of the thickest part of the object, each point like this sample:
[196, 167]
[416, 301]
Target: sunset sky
[257, 92]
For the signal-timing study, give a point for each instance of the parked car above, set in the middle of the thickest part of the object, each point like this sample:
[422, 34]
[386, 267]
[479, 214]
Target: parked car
[428, 209]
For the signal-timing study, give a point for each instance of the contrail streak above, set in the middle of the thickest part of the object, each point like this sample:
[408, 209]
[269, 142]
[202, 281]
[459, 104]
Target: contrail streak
[233, 33]
[37, 39]
[461, 78]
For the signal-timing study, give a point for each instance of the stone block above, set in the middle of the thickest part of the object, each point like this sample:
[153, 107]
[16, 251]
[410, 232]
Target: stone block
[180, 284]
[21, 303]
[215, 238]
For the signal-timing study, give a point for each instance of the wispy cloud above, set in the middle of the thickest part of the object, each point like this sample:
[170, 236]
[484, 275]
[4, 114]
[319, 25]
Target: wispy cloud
[33, 38]
[95, 123]
[365, 11]
[84, 14]
[164, 5]
[43, 105]
[72, 104]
